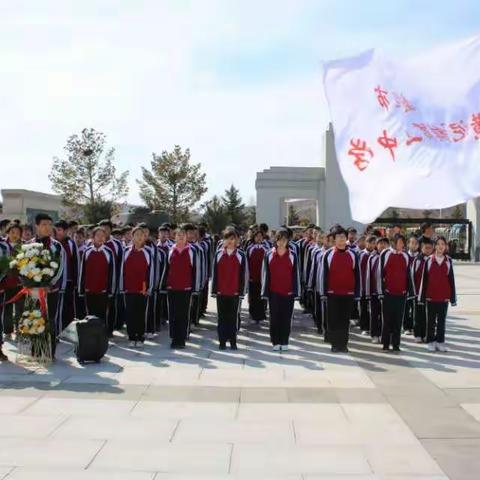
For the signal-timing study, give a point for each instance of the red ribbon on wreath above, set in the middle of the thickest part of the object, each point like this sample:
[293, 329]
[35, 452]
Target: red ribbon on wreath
[42, 296]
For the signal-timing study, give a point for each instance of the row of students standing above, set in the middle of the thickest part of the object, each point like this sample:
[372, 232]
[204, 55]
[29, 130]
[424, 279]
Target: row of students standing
[390, 283]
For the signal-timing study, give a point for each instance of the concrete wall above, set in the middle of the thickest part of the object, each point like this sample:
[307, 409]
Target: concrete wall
[276, 184]
[23, 204]
[337, 204]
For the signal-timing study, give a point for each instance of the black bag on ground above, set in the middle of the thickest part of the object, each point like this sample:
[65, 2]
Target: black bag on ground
[90, 339]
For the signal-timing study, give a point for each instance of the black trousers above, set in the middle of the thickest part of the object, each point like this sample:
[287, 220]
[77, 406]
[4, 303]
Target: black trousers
[195, 310]
[68, 305]
[151, 322]
[375, 317]
[204, 304]
[436, 319]
[179, 303]
[340, 309]
[80, 306]
[2, 300]
[393, 311]
[364, 316]
[420, 326]
[227, 311]
[12, 311]
[319, 316]
[136, 315]
[97, 304]
[409, 314]
[281, 311]
[161, 307]
[54, 318]
[256, 305]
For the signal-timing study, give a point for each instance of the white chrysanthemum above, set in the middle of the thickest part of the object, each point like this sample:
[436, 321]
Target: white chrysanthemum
[41, 329]
[20, 256]
[13, 264]
[54, 264]
[37, 313]
[26, 314]
[37, 278]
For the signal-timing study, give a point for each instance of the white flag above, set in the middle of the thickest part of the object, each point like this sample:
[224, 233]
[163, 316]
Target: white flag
[407, 133]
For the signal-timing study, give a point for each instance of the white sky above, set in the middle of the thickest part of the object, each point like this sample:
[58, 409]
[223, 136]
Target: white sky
[236, 81]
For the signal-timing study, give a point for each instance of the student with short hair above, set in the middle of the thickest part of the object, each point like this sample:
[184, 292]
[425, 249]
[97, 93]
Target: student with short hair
[408, 318]
[255, 254]
[280, 287]
[229, 286]
[72, 266]
[437, 290]
[181, 281]
[371, 290]
[363, 257]
[137, 281]
[97, 276]
[394, 286]
[340, 286]
[420, 321]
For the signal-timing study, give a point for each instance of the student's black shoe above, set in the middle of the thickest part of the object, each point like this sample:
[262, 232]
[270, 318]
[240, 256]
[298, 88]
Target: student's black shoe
[173, 345]
[334, 350]
[3, 357]
[233, 345]
[344, 350]
[385, 349]
[396, 349]
[320, 330]
[222, 346]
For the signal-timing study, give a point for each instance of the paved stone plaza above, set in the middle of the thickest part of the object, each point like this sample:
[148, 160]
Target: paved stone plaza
[253, 414]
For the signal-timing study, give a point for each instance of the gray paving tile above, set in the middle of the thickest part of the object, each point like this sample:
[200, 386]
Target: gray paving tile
[459, 458]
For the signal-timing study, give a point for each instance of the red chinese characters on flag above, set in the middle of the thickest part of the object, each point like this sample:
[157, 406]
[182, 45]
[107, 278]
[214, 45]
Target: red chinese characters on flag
[476, 125]
[359, 150]
[459, 130]
[390, 143]
[382, 97]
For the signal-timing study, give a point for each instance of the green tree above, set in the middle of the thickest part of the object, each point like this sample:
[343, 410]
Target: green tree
[87, 177]
[250, 215]
[234, 206]
[215, 215]
[457, 212]
[394, 213]
[173, 184]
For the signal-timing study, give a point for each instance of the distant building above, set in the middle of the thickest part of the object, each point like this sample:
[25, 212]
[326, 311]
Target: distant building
[25, 204]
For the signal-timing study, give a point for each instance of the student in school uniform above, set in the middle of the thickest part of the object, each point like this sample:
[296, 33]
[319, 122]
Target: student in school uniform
[280, 286]
[408, 318]
[371, 293]
[420, 323]
[116, 318]
[255, 254]
[437, 290]
[394, 286]
[182, 280]
[4, 252]
[164, 243]
[44, 235]
[313, 284]
[137, 281]
[206, 242]
[340, 285]
[96, 283]
[192, 239]
[229, 286]
[11, 284]
[72, 264]
[363, 257]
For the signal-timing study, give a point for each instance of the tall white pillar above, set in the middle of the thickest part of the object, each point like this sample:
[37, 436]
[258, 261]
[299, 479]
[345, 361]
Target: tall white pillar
[473, 214]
